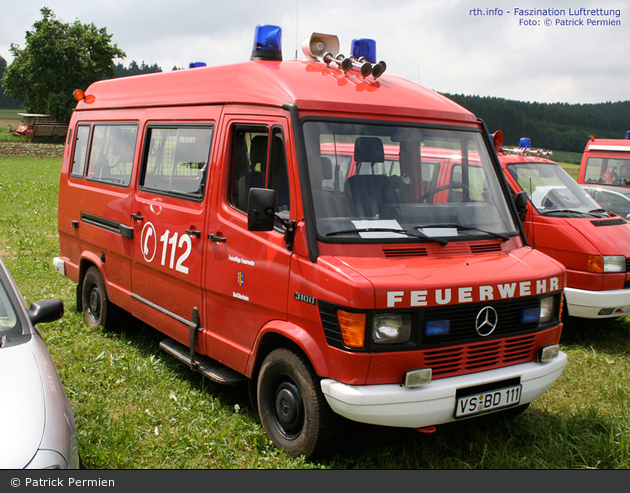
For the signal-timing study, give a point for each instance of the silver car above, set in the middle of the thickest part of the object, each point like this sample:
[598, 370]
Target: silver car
[38, 429]
[612, 198]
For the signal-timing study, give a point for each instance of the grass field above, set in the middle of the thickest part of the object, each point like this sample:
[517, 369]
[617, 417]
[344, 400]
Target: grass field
[138, 408]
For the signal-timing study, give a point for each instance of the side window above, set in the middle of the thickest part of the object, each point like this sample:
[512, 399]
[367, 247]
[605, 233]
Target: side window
[257, 164]
[111, 153]
[248, 165]
[279, 174]
[176, 160]
[80, 151]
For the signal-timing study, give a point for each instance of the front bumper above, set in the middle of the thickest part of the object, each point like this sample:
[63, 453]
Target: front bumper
[434, 403]
[589, 304]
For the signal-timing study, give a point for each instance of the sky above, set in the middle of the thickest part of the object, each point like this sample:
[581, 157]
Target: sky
[525, 50]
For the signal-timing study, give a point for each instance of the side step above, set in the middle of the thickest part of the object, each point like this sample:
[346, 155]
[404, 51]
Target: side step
[208, 367]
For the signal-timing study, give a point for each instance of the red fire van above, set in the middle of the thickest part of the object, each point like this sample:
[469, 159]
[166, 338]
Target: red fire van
[606, 162]
[207, 203]
[566, 223]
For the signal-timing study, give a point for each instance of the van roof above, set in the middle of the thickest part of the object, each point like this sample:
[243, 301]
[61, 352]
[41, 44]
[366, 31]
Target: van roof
[608, 145]
[311, 86]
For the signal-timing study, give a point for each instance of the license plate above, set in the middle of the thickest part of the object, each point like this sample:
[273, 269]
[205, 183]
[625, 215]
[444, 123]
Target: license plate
[491, 400]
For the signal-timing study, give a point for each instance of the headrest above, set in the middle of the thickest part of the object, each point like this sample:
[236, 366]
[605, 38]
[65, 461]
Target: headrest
[369, 150]
[327, 171]
[258, 150]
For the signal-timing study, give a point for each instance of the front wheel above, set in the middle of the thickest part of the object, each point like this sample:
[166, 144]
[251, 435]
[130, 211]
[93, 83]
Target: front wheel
[293, 410]
[94, 298]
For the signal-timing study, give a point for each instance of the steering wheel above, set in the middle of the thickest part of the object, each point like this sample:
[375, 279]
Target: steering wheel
[465, 198]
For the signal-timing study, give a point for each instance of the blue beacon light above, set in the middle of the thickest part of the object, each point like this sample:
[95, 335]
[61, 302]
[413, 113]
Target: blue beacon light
[267, 43]
[364, 47]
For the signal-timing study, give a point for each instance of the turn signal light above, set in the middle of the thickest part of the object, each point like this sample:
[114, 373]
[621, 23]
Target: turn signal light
[352, 327]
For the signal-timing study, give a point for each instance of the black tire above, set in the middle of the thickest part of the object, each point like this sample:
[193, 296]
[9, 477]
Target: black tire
[293, 411]
[94, 297]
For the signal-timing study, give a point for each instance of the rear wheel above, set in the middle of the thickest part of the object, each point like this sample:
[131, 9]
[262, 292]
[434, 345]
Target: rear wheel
[94, 297]
[293, 410]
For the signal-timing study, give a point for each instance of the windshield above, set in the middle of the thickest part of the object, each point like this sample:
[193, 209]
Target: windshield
[608, 171]
[552, 190]
[403, 183]
[9, 324]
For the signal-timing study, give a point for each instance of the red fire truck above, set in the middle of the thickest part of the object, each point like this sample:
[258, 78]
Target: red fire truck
[206, 202]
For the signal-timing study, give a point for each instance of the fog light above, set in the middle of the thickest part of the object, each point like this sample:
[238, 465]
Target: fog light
[606, 311]
[415, 378]
[549, 352]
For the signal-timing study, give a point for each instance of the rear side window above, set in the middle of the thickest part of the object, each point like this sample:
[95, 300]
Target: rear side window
[80, 151]
[111, 153]
[176, 160]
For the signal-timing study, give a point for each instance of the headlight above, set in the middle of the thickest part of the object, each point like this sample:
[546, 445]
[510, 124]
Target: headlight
[547, 309]
[390, 328]
[606, 263]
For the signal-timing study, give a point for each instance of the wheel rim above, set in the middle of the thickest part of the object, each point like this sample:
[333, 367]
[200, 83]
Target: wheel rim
[289, 410]
[94, 303]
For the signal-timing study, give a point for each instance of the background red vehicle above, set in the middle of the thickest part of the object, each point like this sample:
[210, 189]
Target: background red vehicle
[206, 203]
[606, 162]
[564, 222]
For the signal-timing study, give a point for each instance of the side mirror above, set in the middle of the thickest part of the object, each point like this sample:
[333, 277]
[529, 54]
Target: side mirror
[521, 205]
[261, 206]
[45, 311]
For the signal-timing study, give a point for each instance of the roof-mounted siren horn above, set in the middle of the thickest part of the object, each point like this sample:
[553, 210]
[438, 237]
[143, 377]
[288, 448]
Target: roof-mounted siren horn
[267, 43]
[320, 44]
[364, 51]
[497, 140]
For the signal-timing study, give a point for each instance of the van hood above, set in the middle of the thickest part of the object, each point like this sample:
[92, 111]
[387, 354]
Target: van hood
[417, 281]
[22, 407]
[607, 236]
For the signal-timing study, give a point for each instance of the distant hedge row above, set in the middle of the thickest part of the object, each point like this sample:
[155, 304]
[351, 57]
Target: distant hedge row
[557, 126]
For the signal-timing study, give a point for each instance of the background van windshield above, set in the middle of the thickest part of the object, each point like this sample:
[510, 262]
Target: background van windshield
[550, 188]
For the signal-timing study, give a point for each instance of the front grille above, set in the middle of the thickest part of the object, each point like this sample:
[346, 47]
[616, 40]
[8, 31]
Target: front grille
[480, 356]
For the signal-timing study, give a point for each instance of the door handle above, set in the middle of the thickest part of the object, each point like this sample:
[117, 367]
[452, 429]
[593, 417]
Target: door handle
[219, 239]
[194, 232]
[137, 217]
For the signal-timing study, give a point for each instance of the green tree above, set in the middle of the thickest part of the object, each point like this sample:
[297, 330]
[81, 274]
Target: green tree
[57, 59]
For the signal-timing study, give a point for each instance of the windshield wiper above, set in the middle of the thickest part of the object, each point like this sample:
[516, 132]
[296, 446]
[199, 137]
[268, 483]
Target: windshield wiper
[572, 211]
[418, 234]
[466, 228]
